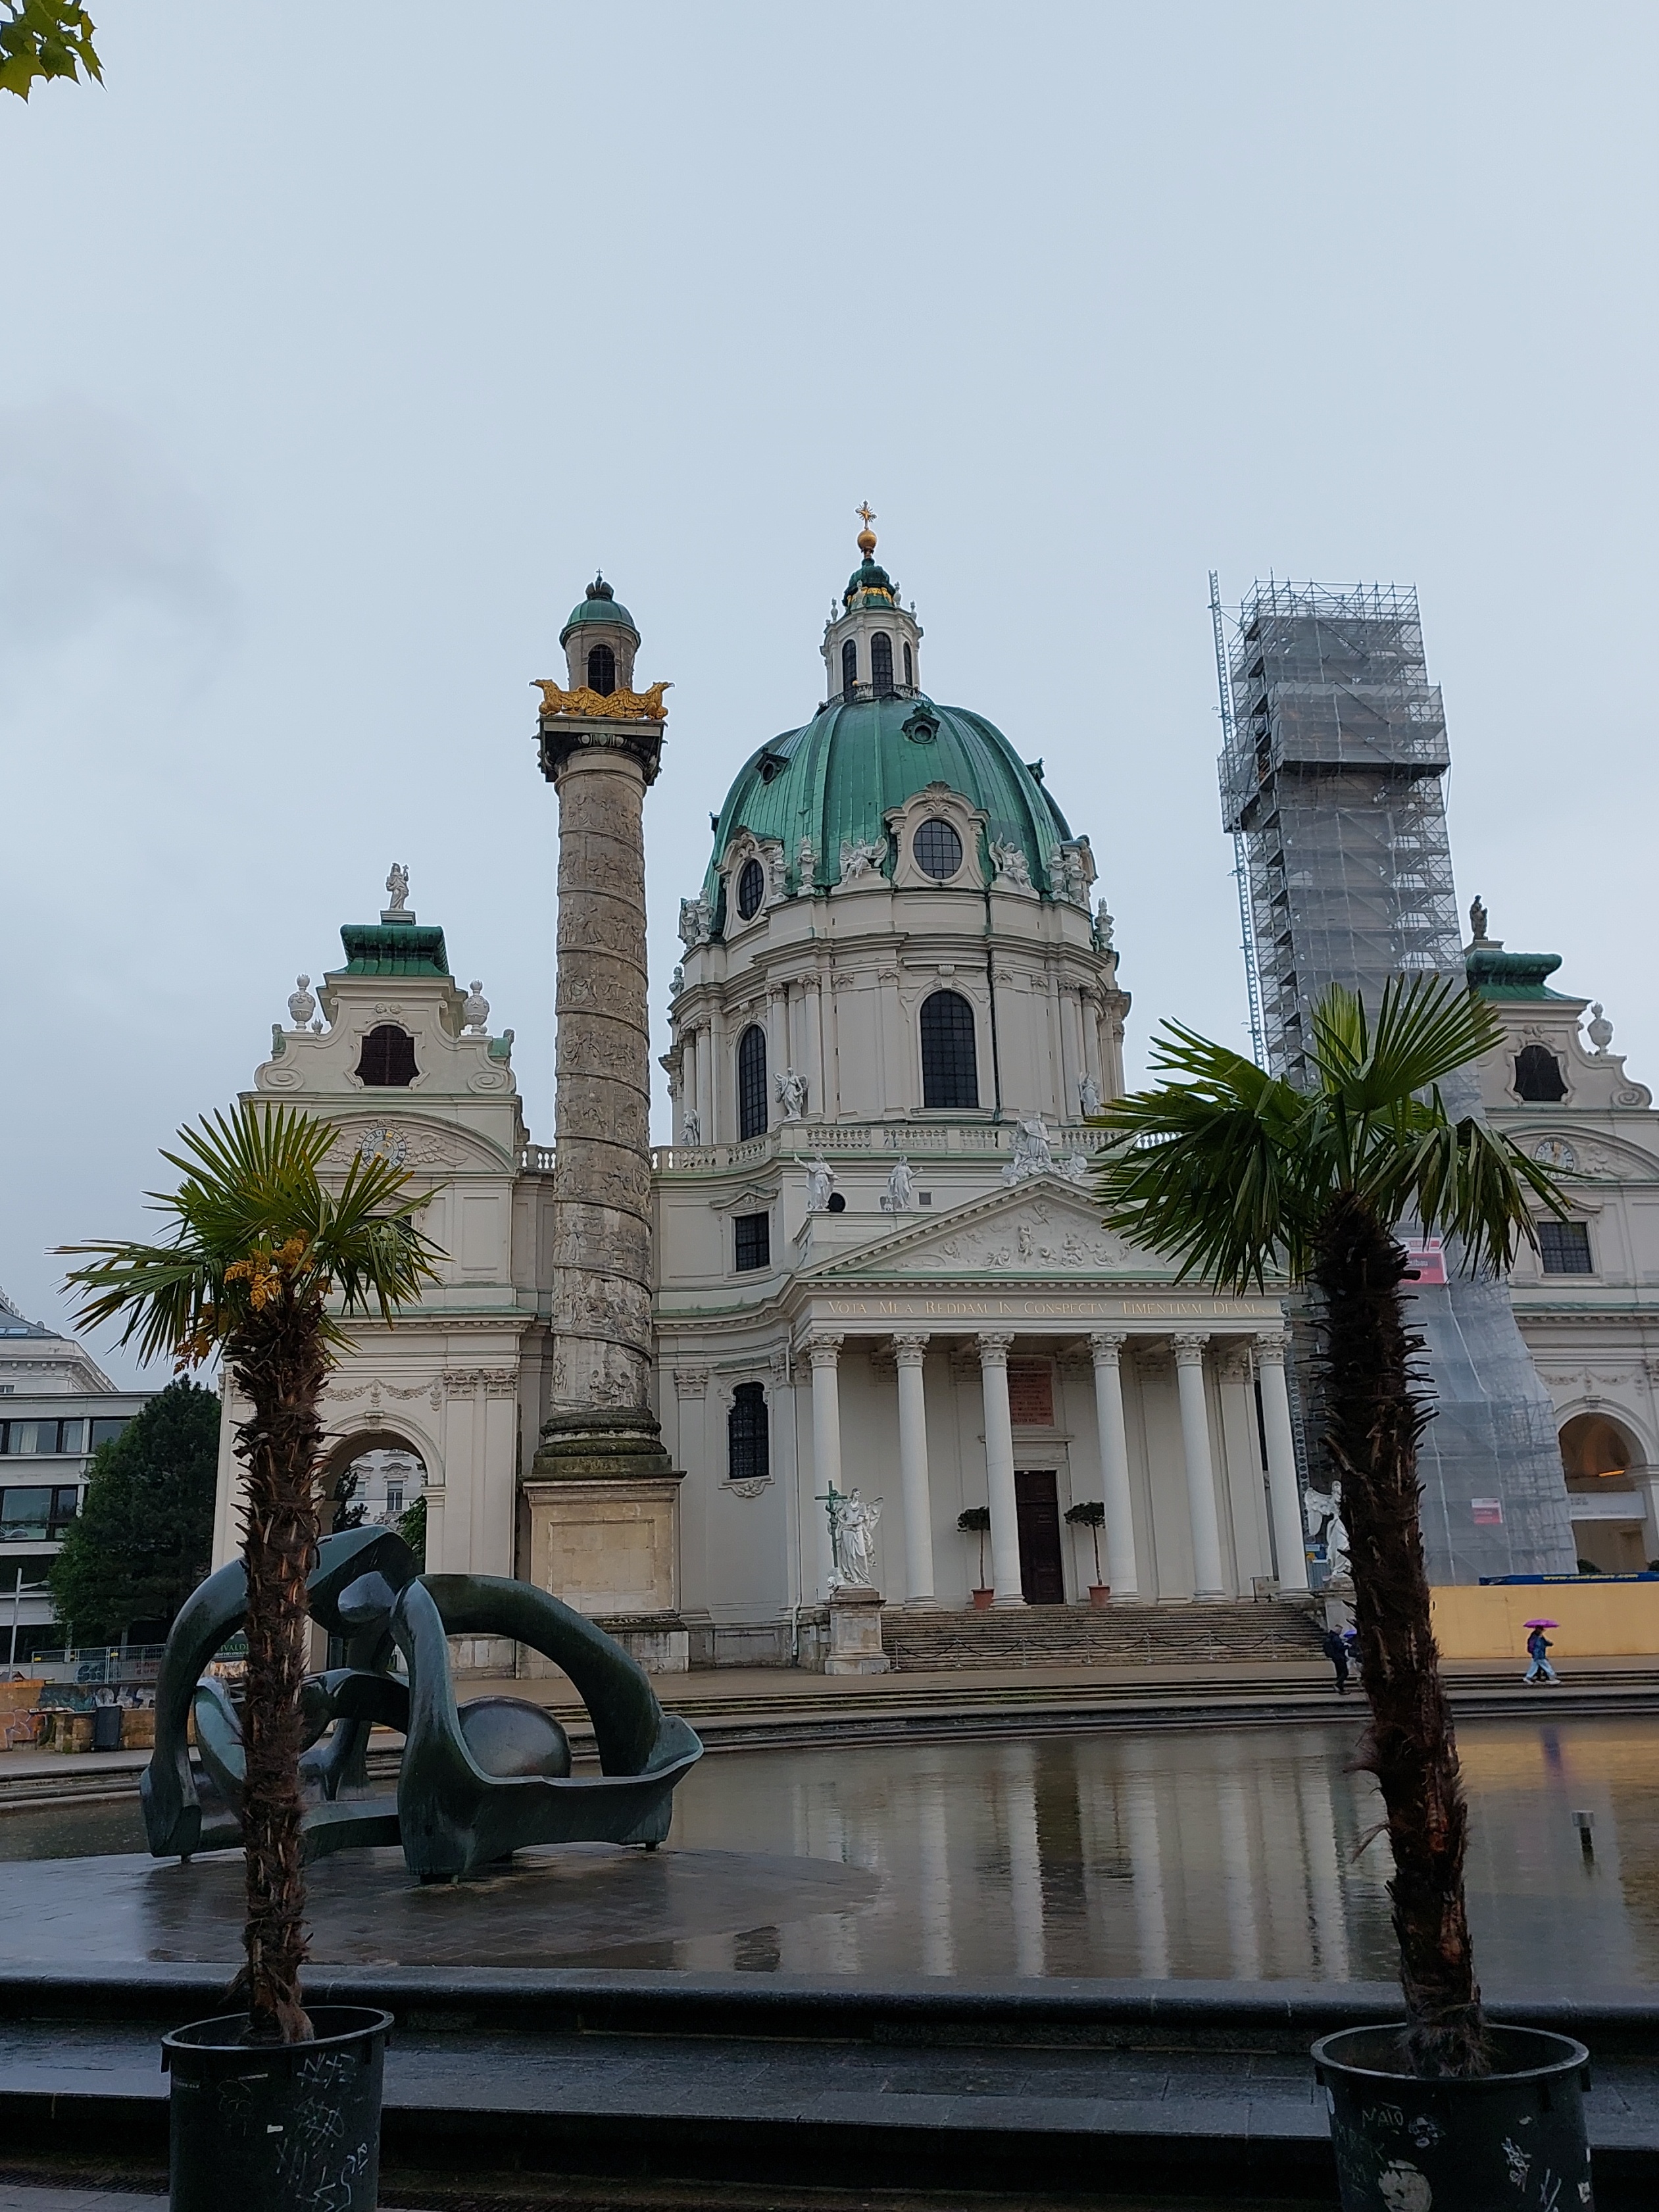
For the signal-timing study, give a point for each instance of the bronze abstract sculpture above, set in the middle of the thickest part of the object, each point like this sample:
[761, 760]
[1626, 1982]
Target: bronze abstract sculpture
[477, 1781]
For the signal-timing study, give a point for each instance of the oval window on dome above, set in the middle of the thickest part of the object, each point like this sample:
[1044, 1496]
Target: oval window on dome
[751, 889]
[938, 849]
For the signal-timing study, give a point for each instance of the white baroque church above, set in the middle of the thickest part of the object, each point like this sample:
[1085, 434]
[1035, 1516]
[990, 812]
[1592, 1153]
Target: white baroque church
[877, 1265]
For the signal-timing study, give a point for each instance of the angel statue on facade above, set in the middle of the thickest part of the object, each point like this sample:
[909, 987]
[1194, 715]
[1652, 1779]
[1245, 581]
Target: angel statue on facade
[852, 1523]
[1033, 1154]
[1324, 1524]
[896, 1199]
[791, 1091]
[820, 1182]
[1088, 1096]
[397, 885]
[690, 1126]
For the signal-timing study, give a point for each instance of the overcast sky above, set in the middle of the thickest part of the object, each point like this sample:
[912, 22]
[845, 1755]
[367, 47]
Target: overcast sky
[336, 358]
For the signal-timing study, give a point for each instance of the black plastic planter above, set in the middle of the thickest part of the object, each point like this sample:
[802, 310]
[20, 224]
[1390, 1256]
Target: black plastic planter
[1514, 2139]
[271, 2127]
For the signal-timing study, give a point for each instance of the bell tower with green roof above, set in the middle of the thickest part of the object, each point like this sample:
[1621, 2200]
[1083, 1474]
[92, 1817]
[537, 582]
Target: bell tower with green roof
[873, 647]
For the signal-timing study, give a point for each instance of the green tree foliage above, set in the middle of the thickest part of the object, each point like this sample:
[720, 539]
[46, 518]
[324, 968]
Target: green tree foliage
[42, 39]
[411, 1527]
[144, 1536]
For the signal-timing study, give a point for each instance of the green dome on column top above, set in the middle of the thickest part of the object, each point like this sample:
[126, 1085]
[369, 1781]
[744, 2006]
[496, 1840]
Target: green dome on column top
[601, 605]
[836, 779]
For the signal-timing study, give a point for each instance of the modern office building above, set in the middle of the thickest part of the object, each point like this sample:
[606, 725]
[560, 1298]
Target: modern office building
[57, 1406]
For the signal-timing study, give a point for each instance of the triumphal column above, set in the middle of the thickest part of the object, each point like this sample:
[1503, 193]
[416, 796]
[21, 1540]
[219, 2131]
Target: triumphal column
[603, 1497]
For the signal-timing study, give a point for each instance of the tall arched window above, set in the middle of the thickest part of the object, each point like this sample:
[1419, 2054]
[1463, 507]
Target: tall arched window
[849, 669]
[751, 1083]
[950, 1064]
[747, 1456]
[881, 665]
[602, 670]
[909, 670]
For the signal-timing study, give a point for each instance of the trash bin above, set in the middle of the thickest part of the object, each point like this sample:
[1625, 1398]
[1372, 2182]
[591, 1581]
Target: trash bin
[106, 1728]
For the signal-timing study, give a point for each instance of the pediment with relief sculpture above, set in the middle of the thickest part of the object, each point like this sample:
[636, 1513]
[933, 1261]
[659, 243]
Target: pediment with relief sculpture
[1043, 1229]
[426, 1146]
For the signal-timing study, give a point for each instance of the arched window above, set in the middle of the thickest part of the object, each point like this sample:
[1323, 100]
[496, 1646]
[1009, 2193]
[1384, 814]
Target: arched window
[751, 1083]
[602, 670]
[747, 1458]
[849, 669]
[881, 665]
[909, 671]
[950, 1065]
[388, 1058]
[751, 889]
[1538, 1077]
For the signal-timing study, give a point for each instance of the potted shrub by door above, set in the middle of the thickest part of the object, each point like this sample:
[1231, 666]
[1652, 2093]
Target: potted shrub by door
[976, 1521]
[271, 2106]
[1092, 1515]
[1240, 1176]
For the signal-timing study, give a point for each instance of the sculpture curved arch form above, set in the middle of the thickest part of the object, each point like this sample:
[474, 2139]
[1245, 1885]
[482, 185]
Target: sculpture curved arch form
[452, 1813]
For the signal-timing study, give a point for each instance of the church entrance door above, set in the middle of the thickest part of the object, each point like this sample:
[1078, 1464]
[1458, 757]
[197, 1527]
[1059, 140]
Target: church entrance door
[1042, 1577]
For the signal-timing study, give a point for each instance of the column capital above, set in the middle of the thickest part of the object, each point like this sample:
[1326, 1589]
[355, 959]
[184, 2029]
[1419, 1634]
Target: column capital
[910, 1350]
[1188, 1346]
[1106, 1345]
[1270, 1346]
[823, 1347]
[691, 1382]
[995, 1345]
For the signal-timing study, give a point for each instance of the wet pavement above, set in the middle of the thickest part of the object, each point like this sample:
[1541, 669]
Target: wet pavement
[1214, 1854]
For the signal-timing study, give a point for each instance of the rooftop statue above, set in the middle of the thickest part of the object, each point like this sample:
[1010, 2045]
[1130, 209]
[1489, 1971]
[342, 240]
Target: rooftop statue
[478, 1781]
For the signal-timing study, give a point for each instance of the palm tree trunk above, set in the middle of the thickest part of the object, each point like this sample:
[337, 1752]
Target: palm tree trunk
[281, 1369]
[1374, 1419]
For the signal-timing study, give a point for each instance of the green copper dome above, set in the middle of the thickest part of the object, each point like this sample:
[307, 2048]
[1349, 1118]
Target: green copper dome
[601, 605]
[836, 780]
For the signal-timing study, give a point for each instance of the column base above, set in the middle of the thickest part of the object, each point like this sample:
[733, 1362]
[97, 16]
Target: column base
[998, 1601]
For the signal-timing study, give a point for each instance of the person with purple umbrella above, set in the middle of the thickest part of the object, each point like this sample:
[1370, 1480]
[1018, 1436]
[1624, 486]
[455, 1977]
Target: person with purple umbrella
[1538, 1647]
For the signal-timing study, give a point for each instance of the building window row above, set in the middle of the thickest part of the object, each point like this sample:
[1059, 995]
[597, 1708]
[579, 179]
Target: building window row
[58, 1436]
[37, 1514]
[881, 667]
[949, 1056]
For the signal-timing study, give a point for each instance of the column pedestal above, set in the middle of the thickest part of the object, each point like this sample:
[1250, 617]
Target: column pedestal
[610, 1547]
[855, 1634]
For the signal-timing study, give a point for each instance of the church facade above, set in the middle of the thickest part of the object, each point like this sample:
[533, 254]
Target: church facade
[877, 1264]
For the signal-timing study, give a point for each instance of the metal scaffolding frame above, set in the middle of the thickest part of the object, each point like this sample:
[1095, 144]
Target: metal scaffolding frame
[1331, 782]
[1331, 771]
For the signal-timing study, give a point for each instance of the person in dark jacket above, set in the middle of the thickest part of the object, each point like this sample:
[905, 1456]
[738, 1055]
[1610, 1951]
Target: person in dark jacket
[1336, 1651]
[1538, 1650]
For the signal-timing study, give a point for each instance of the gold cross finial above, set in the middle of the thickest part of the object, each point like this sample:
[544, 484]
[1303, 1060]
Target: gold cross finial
[866, 535]
[867, 512]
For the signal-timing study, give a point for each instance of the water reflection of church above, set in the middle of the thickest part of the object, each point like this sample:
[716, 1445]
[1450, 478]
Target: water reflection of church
[876, 1263]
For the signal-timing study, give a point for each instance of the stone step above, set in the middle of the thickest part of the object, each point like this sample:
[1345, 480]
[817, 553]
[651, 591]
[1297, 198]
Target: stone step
[1052, 1635]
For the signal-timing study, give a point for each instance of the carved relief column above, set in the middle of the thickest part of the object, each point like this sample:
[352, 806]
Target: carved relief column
[910, 1351]
[1200, 1466]
[824, 1353]
[601, 753]
[994, 1350]
[1284, 1491]
[1106, 1348]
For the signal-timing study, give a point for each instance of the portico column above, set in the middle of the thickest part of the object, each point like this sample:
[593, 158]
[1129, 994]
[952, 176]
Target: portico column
[824, 1352]
[1104, 1348]
[999, 1469]
[1200, 1467]
[910, 1351]
[1283, 1492]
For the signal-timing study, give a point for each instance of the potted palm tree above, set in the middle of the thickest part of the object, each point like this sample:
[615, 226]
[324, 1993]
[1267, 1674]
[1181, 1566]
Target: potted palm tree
[975, 1521]
[1092, 1515]
[261, 1264]
[1240, 1176]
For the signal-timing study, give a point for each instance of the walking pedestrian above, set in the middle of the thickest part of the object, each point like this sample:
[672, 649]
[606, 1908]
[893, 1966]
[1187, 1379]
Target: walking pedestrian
[1538, 1646]
[1335, 1649]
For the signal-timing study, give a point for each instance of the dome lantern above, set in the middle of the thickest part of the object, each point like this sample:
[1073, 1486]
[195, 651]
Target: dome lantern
[599, 642]
[872, 648]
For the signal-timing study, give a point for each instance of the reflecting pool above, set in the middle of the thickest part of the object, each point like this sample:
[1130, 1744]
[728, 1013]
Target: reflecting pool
[1209, 1854]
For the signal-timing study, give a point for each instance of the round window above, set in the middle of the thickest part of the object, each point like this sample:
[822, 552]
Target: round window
[938, 849]
[751, 889]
